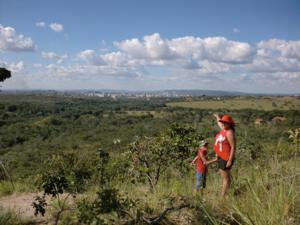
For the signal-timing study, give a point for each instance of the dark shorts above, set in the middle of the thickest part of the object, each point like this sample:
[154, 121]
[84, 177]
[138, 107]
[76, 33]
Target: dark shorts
[222, 164]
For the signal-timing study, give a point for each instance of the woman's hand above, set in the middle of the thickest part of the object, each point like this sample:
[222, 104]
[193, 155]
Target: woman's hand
[217, 116]
[228, 164]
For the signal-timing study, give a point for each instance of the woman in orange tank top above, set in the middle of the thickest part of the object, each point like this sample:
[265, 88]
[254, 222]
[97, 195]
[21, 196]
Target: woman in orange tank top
[225, 149]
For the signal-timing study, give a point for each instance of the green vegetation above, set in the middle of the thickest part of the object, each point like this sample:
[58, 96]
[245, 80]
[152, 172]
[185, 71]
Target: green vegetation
[127, 161]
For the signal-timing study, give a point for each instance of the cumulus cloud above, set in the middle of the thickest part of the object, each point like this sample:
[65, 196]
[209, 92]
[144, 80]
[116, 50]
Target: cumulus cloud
[277, 48]
[10, 40]
[40, 24]
[91, 57]
[184, 62]
[57, 27]
[155, 49]
[276, 56]
[152, 47]
[211, 56]
[54, 56]
[13, 67]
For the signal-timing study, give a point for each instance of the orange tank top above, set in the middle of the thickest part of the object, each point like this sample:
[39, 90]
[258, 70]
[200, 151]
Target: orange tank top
[222, 146]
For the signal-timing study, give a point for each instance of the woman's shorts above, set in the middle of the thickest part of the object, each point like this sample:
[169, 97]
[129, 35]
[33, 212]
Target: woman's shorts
[201, 180]
[222, 164]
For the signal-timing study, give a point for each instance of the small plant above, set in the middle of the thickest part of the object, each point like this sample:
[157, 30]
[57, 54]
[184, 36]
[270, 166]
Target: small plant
[66, 176]
[294, 136]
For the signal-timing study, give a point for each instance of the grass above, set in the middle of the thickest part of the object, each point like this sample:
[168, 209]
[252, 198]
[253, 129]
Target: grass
[262, 194]
[267, 104]
[8, 217]
[7, 187]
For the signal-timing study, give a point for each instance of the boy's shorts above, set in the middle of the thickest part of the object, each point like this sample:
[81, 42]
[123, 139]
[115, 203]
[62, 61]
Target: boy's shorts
[222, 164]
[201, 180]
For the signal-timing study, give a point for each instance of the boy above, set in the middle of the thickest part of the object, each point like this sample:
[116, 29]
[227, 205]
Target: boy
[201, 168]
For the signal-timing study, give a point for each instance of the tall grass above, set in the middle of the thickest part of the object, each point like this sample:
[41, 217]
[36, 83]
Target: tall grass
[11, 218]
[6, 187]
[261, 194]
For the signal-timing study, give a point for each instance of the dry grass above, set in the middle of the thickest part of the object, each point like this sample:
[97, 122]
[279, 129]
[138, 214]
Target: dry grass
[263, 103]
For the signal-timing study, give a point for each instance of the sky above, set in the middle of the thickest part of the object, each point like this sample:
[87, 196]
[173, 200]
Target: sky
[233, 45]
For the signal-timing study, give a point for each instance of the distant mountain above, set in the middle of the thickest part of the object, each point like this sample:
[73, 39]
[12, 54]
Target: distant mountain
[153, 93]
[197, 93]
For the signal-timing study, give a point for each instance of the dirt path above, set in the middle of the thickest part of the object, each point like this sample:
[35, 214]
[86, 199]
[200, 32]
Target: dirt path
[21, 204]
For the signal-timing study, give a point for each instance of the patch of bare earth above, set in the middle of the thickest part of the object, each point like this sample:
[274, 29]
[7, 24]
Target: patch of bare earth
[21, 204]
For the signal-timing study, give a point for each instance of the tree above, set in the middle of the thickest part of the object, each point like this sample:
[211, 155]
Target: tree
[64, 175]
[4, 74]
[151, 157]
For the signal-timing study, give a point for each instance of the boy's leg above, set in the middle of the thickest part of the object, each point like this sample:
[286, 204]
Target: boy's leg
[198, 180]
[203, 183]
[204, 180]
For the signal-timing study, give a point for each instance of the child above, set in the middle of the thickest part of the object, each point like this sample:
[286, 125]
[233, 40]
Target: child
[201, 168]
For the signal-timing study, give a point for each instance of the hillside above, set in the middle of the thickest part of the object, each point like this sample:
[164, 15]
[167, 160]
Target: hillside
[93, 149]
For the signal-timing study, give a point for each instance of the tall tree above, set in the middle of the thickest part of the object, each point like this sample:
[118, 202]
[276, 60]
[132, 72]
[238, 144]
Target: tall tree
[4, 74]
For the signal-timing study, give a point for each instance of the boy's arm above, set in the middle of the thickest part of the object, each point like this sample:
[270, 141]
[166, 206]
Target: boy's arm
[203, 159]
[193, 162]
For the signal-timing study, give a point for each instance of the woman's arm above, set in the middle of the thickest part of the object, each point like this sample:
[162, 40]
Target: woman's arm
[231, 139]
[211, 161]
[218, 118]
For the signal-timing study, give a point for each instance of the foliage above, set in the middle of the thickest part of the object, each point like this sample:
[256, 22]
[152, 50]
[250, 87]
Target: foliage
[151, 157]
[294, 136]
[65, 173]
[52, 140]
[4, 74]
[108, 206]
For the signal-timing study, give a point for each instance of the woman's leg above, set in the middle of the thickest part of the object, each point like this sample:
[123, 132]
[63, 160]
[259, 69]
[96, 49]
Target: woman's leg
[225, 174]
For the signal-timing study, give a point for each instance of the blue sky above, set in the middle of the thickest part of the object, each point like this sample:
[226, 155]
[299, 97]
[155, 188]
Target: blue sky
[251, 46]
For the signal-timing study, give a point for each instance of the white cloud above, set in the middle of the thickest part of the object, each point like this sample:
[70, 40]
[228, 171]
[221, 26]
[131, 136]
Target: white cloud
[57, 27]
[184, 62]
[13, 67]
[277, 48]
[200, 57]
[115, 59]
[11, 41]
[49, 55]
[40, 24]
[277, 56]
[54, 56]
[91, 57]
[155, 50]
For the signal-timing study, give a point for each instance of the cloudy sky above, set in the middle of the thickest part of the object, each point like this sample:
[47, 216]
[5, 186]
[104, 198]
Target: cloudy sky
[232, 45]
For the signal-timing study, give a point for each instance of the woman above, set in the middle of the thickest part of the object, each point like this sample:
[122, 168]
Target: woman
[225, 149]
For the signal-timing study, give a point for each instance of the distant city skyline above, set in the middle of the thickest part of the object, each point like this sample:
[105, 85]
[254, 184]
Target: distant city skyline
[239, 46]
